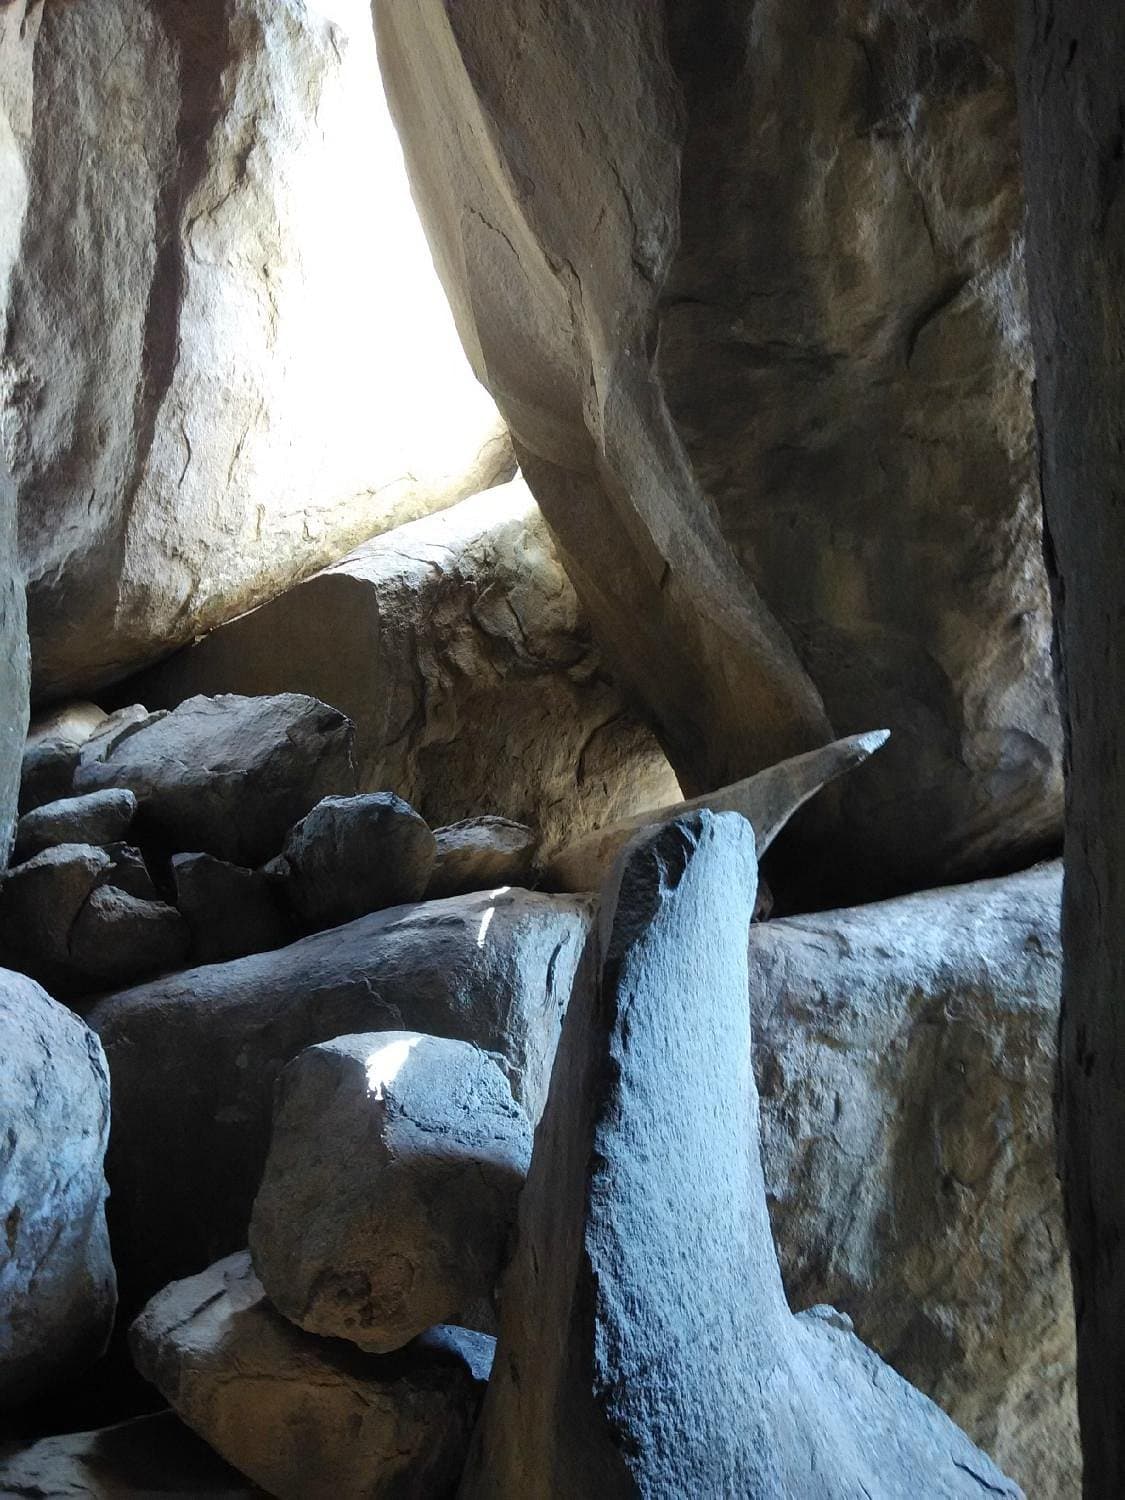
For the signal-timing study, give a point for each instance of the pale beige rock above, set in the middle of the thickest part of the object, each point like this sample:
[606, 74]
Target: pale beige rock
[229, 359]
[459, 650]
[767, 801]
[746, 283]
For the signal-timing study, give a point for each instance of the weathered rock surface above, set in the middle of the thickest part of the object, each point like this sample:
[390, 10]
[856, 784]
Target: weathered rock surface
[98, 818]
[458, 648]
[229, 910]
[308, 1418]
[234, 361]
[390, 1189]
[647, 1348]
[759, 334]
[57, 1288]
[354, 855]
[78, 917]
[137, 1460]
[228, 776]
[194, 1057]
[50, 756]
[767, 801]
[905, 1053]
[480, 854]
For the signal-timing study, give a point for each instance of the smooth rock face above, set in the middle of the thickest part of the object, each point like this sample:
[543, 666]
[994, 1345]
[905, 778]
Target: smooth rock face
[230, 911]
[232, 361]
[308, 1418]
[98, 818]
[760, 336]
[57, 1288]
[646, 1347]
[458, 648]
[767, 801]
[480, 854]
[194, 1057]
[905, 1053]
[137, 1460]
[354, 855]
[390, 1189]
[228, 775]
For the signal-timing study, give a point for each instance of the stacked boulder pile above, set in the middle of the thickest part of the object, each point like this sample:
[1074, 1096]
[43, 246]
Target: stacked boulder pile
[342, 1145]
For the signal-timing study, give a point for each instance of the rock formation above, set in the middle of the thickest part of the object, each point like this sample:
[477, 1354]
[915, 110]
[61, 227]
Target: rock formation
[227, 358]
[479, 853]
[745, 282]
[458, 648]
[646, 1345]
[1073, 112]
[308, 1418]
[390, 1189]
[57, 1287]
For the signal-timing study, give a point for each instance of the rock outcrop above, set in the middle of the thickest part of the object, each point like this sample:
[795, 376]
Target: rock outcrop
[308, 1418]
[905, 1053]
[227, 359]
[194, 1057]
[395, 1165]
[459, 650]
[227, 776]
[57, 1287]
[746, 284]
[646, 1347]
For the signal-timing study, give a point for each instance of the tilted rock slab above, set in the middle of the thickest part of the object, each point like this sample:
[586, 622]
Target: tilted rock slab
[767, 801]
[746, 283]
[647, 1347]
[194, 1057]
[478, 854]
[459, 649]
[227, 776]
[390, 1189]
[136, 1460]
[308, 1418]
[57, 1287]
[905, 1053]
[235, 362]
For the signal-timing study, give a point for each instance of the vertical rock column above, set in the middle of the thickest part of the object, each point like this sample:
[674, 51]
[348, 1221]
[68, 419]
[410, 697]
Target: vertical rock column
[1073, 107]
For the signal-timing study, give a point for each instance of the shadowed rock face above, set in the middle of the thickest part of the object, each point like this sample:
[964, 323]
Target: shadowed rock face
[745, 282]
[646, 1347]
[228, 359]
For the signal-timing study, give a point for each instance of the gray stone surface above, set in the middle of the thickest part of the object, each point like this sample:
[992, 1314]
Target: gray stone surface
[309, 1418]
[118, 938]
[194, 1057]
[57, 1288]
[227, 775]
[98, 818]
[480, 854]
[761, 339]
[354, 855]
[459, 649]
[47, 773]
[767, 800]
[390, 1189]
[230, 911]
[234, 362]
[905, 1053]
[647, 1347]
[137, 1460]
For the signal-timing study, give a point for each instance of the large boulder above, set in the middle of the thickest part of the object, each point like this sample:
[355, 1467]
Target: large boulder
[478, 853]
[57, 1287]
[194, 1057]
[142, 1459]
[458, 648]
[98, 818]
[390, 1189]
[646, 1346]
[227, 776]
[905, 1053]
[309, 1418]
[228, 359]
[230, 911]
[745, 281]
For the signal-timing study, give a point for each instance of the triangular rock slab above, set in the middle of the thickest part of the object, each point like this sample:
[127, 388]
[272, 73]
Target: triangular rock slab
[647, 1348]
